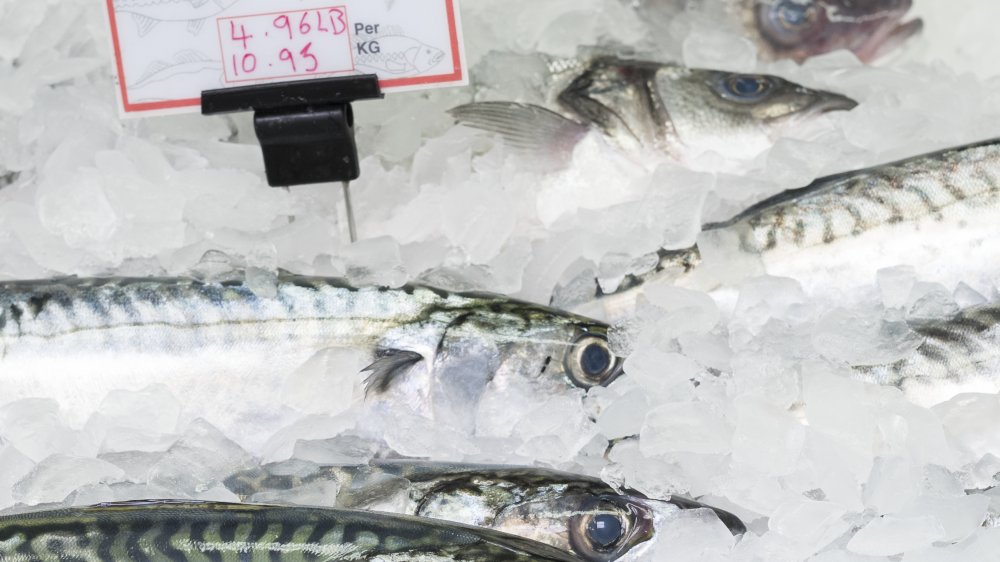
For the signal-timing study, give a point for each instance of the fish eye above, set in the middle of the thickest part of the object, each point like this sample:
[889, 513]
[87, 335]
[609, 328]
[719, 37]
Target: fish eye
[590, 362]
[605, 530]
[608, 527]
[787, 23]
[793, 15]
[745, 87]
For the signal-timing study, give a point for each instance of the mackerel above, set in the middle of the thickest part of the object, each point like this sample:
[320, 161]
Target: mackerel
[231, 352]
[578, 514]
[202, 532]
[936, 213]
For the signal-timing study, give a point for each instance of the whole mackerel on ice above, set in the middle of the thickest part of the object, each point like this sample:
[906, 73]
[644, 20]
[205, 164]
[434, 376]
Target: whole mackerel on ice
[156, 531]
[937, 213]
[581, 515]
[228, 351]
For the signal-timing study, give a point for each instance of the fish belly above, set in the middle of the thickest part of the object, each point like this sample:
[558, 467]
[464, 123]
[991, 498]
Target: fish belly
[235, 376]
[958, 246]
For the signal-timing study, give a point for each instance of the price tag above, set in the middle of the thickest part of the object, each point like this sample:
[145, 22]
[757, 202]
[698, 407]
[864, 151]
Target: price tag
[168, 51]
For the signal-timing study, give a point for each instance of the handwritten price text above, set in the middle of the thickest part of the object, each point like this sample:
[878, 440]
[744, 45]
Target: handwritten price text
[286, 45]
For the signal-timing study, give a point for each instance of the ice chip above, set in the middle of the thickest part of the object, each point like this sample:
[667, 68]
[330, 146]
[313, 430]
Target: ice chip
[58, 476]
[35, 426]
[860, 337]
[710, 48]
[891, 535]
[624, 416]
[199, 460]
[895, 284]
[328, 383]
[814, 523]
[684, 427]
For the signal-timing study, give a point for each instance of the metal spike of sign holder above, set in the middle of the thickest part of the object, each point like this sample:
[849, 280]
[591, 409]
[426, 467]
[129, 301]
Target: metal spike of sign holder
[305, 128]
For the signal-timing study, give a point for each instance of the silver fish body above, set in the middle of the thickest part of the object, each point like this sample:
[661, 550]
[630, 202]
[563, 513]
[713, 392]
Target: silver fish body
[637, 104]
[936, 213]
[799, 29]
[957, 355]
[580, 515]
[231, 352]
[191, 531]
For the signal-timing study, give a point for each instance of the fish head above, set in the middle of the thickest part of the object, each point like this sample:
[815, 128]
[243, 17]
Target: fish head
[425, 57]
[738, 114]
[507, 343]
[799, 29]
[593, 522]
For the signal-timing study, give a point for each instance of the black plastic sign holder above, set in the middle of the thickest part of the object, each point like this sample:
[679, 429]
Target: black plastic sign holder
[305, 127]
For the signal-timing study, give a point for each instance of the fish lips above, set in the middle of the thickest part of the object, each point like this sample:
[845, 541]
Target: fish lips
[875, 34]
[731, 521]
[830, 102]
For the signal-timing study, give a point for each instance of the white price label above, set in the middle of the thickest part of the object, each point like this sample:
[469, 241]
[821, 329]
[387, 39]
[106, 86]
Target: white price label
[169, 51]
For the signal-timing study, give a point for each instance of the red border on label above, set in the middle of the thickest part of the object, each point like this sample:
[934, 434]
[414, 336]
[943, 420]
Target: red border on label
[195, 102]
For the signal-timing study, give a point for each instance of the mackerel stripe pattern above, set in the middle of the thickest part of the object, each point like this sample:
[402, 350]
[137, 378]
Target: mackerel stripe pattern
[236, 533]
[958, 349]
[847, 205]
[50, 308]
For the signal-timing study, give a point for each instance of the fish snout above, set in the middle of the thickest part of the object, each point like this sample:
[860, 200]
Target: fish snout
[735, 525]
[830, 101]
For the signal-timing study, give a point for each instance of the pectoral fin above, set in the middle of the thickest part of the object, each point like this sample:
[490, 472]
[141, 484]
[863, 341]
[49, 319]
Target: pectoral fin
[390, 365]
[526, 127]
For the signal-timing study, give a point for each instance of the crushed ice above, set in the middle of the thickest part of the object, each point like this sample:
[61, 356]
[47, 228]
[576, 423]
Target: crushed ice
[743, 402]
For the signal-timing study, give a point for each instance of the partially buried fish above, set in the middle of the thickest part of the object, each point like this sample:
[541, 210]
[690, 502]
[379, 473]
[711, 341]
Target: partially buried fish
[230, 351]
[800, 29]
[580, 515]
[936, 213]
[193, 531]
[680, 111]
[957, 355]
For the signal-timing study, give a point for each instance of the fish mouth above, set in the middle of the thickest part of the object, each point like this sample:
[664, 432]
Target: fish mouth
[833, 102]
[882, 43]
[735, 525]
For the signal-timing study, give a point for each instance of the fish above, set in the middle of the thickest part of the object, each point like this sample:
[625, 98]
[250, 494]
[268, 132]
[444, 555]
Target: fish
[159, 82]
[182, 531]
[150, 13]
[398, 55]
[957, 355]
[935, 213]
[577, 514]
[801, 29]
[229, 350]
[679, 111]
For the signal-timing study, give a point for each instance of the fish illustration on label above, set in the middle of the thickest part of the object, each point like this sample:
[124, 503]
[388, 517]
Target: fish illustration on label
[150, 13]
[197, 66]
[397, 55]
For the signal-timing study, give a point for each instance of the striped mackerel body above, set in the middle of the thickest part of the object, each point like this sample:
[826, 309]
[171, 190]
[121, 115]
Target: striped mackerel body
[235, 357]
[958, 355]
[193, 532]
[936, 213]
